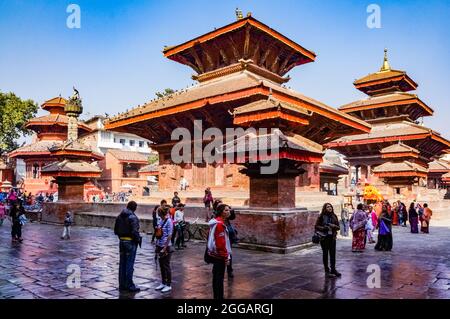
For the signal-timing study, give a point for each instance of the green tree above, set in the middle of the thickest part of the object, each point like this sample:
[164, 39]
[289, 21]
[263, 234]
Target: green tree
[14, 113]
[153, 158]
[166, 92]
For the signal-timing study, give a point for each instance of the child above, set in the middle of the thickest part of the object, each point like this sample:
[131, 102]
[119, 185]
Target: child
[67, 223]
[179, 223]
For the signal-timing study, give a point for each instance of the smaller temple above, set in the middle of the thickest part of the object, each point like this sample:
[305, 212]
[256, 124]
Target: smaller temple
[403, 168]
[436, 170]
[74, 165]
[51, 130]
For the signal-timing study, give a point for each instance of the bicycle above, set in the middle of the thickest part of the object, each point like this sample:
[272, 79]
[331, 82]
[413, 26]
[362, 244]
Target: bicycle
[189, 233]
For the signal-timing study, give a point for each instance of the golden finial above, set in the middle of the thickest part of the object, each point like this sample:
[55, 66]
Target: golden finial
[386, 66]
[239, 15]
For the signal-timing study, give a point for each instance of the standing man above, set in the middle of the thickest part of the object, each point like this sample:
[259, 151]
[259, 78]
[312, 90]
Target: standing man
[127, 229]
[175, 200]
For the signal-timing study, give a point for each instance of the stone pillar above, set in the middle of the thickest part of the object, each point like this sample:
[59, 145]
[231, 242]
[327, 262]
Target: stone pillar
[272, 191]
[357, 173]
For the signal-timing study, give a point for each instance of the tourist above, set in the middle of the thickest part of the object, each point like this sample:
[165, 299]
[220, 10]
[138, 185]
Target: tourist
[68, 220]
[404, 214]
[175, 199]
[183, 184]
[232, 235]
[2, 212]
[395, 213]
[425, 224]
[127, 229]
[155, 217]
[328, 224]
[219, 248]
[180, 224]
[357, 224]
[17, 215]
[370, 225]
[413, 219]
[385, 240]
[208, 200]
[345, 219]
[163, 249]
[12, 197]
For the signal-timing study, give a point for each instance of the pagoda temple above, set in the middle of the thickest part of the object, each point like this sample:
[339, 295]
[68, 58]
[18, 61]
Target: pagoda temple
[393, 114]
[241, 68]
[51, 130]
[73, 162]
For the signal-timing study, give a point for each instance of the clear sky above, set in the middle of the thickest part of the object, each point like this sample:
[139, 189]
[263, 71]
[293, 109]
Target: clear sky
[116, 63]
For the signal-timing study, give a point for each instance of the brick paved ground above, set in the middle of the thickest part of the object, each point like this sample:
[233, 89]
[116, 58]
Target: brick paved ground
[418, 267]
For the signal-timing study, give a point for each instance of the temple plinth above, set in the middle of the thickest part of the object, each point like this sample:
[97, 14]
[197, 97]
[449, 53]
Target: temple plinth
[74, 162]
[240, 69]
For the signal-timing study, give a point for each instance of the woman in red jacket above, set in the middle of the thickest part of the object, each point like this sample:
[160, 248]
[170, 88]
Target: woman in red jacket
[219, 248]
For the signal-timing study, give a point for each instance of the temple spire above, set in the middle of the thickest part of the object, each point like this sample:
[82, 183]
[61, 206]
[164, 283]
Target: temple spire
[386, 66]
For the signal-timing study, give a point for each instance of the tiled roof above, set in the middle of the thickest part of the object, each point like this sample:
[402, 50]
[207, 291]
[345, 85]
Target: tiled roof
[128, 156]
[149, 168]
[55, 119]
[439, 165]
[251, 142]
[38, 147]
[71, 166]
[268, 104]
[387, 130]
[399, 148]
[221, 86]
[385, 98]
[331, 166]
[380, 76]
[404, 166]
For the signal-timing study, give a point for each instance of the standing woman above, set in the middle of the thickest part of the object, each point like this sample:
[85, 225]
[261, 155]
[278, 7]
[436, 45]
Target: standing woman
[384, 231]
[219, 248]
[358, 226]
[164, 249]
[328, 224]
[345, 220]
[413, 219]
[427, 213]
[208, 201]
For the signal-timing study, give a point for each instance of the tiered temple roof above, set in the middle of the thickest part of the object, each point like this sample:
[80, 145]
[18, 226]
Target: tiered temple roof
[393, 114]
[239, 67]
[402, 162]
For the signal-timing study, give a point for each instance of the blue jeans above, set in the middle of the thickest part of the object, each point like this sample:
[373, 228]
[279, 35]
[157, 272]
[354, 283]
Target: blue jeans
[127, 250]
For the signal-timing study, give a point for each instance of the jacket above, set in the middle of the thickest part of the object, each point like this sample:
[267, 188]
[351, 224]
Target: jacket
[323, 220]
[127, 225]
[218, 240]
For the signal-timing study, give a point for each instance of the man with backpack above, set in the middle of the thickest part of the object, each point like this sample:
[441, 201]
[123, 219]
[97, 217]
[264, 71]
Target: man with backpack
[127, 229]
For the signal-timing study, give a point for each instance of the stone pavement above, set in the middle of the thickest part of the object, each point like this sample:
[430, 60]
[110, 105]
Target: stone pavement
[418, 267]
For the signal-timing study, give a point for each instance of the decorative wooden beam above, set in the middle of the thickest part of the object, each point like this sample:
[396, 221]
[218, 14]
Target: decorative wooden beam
[209, 60]
[234, 48]
[197, 60]
[285, 63]
[246, 41]
[266, 54]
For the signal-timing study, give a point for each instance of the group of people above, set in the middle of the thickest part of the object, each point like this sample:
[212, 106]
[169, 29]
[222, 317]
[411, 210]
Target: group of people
[363, 222]
[12, 206]
[168, 224]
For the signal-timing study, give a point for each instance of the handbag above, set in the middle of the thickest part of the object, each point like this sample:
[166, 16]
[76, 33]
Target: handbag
[159, 231]
[384, 230]
[317, 237]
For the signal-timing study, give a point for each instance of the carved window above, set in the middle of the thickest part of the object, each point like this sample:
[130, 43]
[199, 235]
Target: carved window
[35, 171]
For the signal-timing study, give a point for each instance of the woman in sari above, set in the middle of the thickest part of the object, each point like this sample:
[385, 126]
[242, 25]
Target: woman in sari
[413, 219]
[358, 225]
[395, 212]
[384, 231]
[427, 213]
